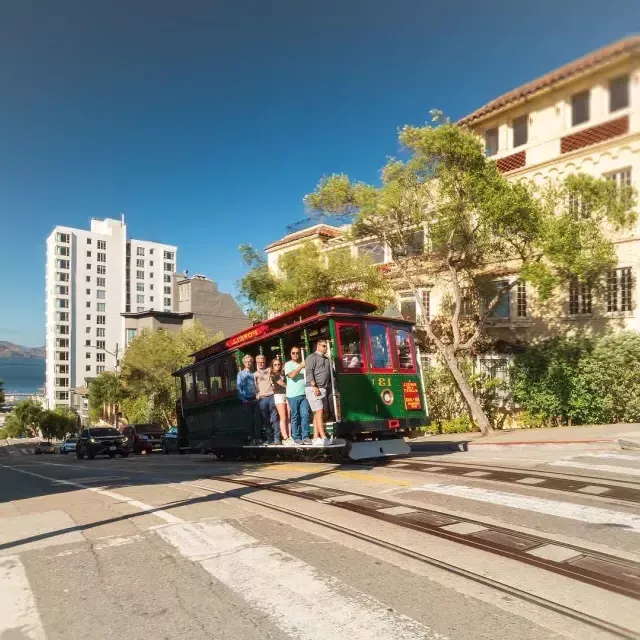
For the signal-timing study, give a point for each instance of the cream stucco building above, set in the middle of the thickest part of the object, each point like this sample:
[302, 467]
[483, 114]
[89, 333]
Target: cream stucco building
[582, 117]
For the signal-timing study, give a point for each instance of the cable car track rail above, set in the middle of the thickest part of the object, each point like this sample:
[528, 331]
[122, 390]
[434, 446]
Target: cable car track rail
[279, 487]
[598, 569]
[572, 484]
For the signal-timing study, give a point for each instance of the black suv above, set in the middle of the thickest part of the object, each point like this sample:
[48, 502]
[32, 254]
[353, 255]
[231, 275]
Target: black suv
[97, 441]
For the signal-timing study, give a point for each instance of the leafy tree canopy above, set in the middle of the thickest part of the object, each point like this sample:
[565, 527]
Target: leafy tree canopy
[105, 389]
[148, 363]
[475, 219]
[306, 274]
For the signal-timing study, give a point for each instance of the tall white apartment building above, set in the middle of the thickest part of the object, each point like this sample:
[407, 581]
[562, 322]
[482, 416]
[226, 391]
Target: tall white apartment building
[91, 278]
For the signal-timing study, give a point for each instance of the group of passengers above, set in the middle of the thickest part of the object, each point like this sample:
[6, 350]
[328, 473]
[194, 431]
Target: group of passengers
[282, 399]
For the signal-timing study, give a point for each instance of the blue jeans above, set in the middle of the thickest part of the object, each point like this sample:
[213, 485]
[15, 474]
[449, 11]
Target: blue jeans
[270, 419]
[300, 417]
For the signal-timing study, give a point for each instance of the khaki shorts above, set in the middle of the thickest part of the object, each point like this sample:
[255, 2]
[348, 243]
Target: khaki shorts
[315, 402]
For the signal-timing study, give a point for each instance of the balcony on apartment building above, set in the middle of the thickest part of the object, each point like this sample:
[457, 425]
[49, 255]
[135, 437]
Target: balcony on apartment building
[321, 218]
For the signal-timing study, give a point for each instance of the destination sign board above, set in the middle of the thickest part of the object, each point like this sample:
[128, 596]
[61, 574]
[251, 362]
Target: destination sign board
[411, 392]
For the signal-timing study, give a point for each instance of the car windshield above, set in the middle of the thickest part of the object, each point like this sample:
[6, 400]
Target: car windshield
[71, 440]
[99, 433]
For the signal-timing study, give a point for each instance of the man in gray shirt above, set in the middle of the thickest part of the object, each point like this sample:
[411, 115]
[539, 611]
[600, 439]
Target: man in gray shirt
[318, 375]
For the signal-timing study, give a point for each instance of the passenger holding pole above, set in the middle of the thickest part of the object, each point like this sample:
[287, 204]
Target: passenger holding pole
[279, 384]
[298, 403]
[246, 384]
[266, 400]
[318, 374]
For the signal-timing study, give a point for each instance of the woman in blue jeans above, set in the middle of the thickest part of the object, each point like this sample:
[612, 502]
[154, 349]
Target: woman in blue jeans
[298, 404]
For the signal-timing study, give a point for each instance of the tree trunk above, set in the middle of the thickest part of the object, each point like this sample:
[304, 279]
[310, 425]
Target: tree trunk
[467, 393]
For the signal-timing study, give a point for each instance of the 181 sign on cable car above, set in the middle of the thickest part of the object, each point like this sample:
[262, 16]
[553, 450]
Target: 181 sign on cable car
[411, 393]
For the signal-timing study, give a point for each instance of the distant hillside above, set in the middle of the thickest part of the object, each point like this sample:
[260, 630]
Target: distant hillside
[10, 350]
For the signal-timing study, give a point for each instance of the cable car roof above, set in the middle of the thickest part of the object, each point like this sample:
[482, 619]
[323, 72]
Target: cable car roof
[305, 311]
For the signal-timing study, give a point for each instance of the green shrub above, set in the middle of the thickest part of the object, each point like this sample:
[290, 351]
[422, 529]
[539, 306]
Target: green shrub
[578, 381]
[459, 424]
[530, 420]
[543, 378]
[607, 385]
[448, 410]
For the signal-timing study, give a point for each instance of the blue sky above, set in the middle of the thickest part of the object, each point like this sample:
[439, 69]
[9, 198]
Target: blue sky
[205, 122]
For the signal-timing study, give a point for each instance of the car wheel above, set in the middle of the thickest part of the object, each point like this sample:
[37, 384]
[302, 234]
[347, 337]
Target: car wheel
[91, 454]
[204, 451]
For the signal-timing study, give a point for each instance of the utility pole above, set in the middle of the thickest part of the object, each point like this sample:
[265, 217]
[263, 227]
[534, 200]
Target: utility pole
[115, 413]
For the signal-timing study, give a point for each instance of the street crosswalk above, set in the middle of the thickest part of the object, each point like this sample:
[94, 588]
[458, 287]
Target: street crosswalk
[44, 546]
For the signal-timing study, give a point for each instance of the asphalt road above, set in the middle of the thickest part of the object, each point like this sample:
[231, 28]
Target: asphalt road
[188, 547]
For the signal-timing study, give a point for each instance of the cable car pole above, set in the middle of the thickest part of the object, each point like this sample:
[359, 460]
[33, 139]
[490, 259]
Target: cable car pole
[333, 382]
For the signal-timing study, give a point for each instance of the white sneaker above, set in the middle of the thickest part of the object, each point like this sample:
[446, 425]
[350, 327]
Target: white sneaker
[318, 442]
[289, 442]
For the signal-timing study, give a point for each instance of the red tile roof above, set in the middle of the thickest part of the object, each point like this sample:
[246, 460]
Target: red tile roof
[323, 230]
[597, 58]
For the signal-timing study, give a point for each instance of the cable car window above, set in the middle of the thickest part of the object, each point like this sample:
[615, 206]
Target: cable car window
[404, 350]
[380, 348]
[230, 374]
[215, 379]
[350, 341]
[318, 332]
[201, 384]
[189, 389]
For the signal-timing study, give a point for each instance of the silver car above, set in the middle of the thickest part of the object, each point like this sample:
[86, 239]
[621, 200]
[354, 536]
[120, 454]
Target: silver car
[68, 445]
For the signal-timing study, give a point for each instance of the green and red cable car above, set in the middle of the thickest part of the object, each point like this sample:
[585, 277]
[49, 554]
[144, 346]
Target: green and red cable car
[377, 389]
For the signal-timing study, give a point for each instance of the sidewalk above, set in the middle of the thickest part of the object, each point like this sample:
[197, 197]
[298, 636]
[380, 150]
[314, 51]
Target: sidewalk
[583, 436]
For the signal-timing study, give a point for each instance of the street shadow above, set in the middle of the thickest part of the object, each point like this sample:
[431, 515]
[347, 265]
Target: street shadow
[22, 480]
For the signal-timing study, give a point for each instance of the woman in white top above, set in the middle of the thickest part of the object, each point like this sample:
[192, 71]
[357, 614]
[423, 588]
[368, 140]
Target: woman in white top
[279, 384]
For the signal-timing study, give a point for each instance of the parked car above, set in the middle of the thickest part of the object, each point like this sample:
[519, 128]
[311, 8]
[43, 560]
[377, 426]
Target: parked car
[143, 438]
[68, 445]
[96, 441]
[44, 447]
[172, 442]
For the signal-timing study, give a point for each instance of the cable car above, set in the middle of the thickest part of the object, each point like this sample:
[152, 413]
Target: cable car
[376, 393]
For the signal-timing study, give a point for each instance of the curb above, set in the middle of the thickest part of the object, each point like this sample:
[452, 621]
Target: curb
[466, 445]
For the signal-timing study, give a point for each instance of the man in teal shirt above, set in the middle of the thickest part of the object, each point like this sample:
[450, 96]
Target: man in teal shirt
[298, 403]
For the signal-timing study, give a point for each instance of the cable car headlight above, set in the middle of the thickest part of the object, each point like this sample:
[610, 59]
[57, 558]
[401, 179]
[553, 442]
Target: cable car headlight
[387, 396]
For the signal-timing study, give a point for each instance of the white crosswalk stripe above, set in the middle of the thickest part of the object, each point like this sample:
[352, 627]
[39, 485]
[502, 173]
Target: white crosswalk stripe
[19, 617]
[286, 588]
[607, 468]
[592, 515]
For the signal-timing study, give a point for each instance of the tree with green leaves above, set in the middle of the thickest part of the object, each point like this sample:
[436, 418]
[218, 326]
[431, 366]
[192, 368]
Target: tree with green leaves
[148, 363]
[474, 218]
[56, 424]
[29, 414]
[13, 428]
[105, 393]
[305, 274]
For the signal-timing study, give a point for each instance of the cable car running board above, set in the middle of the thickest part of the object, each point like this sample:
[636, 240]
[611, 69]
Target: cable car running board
[378, 449]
